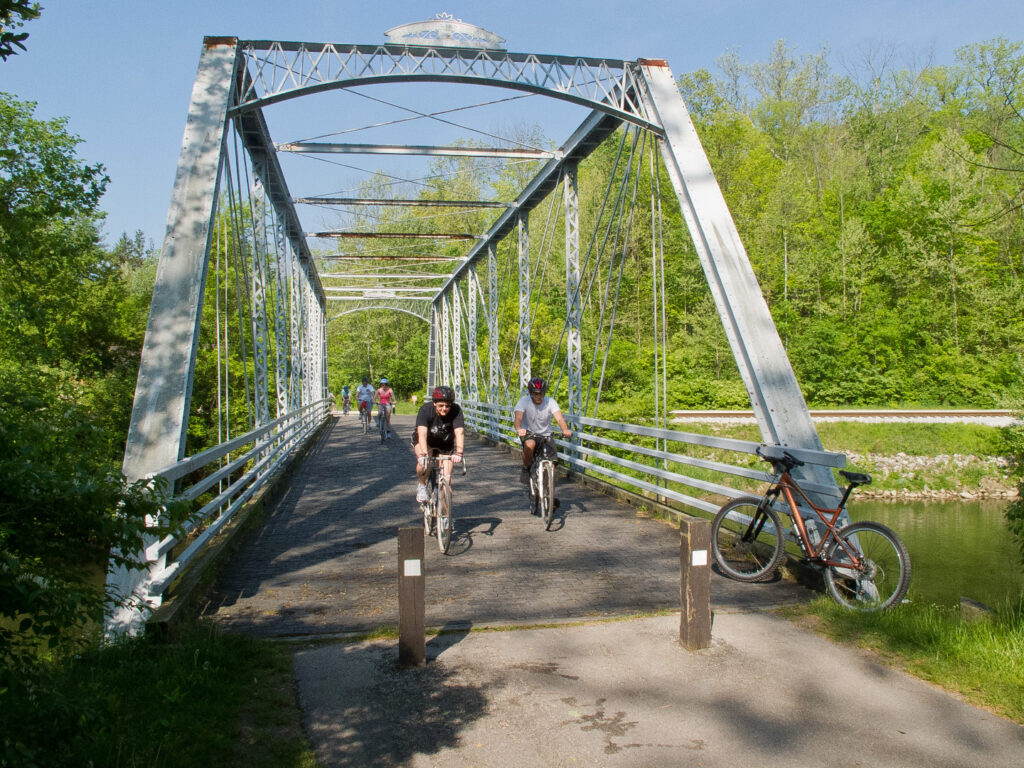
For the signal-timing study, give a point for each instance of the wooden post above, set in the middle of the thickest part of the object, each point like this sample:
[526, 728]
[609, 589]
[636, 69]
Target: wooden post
[695, 583]
[412, 643]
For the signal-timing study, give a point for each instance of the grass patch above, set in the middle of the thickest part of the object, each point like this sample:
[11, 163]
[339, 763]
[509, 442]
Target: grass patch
[981, 659]
[911, 438]
[207, 699]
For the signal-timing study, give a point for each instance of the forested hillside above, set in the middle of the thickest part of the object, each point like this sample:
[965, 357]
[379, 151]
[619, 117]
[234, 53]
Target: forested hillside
[880, 205]
[882, 210]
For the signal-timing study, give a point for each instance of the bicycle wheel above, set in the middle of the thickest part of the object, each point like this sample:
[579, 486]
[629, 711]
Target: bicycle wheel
[535, 488]
[444, 516]
[428, 506]
[747, 541]
[382, 425]
[364, 416]
[428, 518]
[883, 576]
[547, 493]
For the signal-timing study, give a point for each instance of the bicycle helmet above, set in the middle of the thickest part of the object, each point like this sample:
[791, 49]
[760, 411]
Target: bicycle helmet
[383, 381]
[443, 395]
[365, 380]
[536, 386]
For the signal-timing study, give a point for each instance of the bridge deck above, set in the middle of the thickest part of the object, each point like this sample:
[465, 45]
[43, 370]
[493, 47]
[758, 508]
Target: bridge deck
[326, 560]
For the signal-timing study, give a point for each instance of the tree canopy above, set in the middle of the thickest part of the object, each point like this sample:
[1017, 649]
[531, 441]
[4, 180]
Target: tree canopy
[13, 14]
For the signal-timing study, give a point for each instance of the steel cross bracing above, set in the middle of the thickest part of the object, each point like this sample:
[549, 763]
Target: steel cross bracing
[235, 233]
[283, 70]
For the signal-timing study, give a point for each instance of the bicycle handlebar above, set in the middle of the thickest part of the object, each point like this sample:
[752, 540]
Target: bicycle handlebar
[779, 457]
[439, 457]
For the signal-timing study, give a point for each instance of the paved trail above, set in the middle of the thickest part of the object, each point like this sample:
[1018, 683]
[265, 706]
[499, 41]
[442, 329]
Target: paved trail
[326, 561]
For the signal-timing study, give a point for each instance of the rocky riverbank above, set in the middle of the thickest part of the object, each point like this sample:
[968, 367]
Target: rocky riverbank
[955, 476]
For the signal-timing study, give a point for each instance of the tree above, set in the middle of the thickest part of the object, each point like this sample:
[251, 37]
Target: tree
[69, 342]
[13, 14]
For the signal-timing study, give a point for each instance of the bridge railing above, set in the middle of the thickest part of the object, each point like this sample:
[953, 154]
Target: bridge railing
[698, 471]
[244, 465]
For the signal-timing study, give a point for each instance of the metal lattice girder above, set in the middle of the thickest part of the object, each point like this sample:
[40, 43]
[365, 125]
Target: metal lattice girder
[474, 350]
[493, 361]
[432, 348]
[456, 382]
[281, 331]
[775, 395]
[283, 70]
[446, 339]
[574, 309]
[258, 308]
[523, 230]
[297, 319]
[252, 128]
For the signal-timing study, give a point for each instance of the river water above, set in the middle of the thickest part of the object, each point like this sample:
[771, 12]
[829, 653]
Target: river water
[957, 548]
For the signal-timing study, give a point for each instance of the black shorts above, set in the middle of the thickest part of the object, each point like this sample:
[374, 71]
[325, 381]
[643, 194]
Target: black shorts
[434, 447]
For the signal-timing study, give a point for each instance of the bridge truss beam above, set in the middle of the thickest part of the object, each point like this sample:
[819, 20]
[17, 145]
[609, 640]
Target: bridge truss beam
[234, 235]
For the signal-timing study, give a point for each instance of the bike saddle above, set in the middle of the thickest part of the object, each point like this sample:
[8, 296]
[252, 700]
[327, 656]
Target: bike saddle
[857, 478]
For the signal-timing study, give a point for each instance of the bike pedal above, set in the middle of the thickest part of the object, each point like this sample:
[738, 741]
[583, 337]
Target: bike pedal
[557, 504]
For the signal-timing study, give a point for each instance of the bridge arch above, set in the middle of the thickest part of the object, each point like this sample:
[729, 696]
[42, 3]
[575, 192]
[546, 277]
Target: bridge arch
[386, 307]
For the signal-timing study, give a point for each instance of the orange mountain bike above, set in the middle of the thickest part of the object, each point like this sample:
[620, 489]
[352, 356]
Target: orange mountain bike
[865, 565]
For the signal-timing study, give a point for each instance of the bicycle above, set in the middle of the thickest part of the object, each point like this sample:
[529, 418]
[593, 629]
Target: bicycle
[437, 509]
[866, 566]
[382, 421]
[542, 478]
[364, 417]
[346, 406]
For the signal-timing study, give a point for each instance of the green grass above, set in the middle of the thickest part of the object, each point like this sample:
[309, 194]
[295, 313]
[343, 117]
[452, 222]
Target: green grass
[207, 699]
[884, 438]
[980, 659]
[912, 439]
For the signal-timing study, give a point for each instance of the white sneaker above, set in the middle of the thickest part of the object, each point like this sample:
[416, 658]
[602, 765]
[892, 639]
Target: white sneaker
[421, 494]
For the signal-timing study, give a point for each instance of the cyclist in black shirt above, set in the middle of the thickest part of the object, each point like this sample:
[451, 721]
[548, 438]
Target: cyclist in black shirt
[439, 428]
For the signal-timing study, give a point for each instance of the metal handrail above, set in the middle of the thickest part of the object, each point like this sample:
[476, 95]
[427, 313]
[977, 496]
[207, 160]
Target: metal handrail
[270, 446]
[585, 454]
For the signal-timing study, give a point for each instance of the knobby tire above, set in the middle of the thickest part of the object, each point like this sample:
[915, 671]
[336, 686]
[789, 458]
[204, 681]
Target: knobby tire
[535, 489]
[883, 578]
[430, 505]
[444, 516]
[747, 540]
[547, 493]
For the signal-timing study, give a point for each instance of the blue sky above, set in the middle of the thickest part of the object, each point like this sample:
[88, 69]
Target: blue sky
[122, 70]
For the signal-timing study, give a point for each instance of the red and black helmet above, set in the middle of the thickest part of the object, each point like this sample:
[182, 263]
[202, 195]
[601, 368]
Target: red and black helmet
[443, 395]
[536, 386]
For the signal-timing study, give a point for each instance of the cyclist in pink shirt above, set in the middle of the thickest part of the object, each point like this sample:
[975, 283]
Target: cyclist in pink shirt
[385, 395]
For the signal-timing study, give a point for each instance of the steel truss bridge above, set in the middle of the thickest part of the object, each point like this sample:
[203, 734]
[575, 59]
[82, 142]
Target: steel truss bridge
[242, 301]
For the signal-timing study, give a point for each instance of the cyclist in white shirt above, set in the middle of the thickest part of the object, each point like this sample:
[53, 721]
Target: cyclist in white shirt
[533, 415]
[364, 396]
